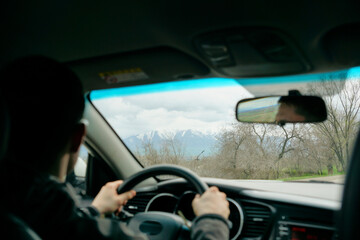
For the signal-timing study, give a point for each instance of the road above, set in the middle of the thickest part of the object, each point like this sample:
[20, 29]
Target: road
[335, 179]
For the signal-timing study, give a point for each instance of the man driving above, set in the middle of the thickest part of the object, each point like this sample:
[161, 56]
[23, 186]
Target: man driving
[46, 104]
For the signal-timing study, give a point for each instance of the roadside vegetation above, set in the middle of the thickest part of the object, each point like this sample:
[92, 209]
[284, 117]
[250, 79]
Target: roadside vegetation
[259, 151]
[307, 175]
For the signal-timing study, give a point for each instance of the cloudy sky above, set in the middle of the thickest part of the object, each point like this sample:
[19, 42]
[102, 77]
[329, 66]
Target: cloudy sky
[204, 105]
[202, 109]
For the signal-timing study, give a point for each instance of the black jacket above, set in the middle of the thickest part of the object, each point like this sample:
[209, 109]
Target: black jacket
[50, 209]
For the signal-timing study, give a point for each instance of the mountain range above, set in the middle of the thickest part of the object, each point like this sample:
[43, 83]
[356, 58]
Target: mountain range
[193, 143]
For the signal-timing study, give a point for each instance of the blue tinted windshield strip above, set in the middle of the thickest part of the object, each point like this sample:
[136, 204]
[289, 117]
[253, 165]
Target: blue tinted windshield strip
[163, 87]
[212, 82]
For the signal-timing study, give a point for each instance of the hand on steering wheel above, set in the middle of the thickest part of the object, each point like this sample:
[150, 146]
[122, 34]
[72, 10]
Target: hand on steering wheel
[161, 225]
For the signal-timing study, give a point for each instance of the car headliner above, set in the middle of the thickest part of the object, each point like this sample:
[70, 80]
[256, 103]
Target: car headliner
[103, 34]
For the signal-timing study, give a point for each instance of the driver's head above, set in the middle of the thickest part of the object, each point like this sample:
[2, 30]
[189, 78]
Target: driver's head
[288, 112]
[45, 102]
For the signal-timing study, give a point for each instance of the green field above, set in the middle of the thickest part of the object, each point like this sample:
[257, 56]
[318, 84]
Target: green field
[305, 176]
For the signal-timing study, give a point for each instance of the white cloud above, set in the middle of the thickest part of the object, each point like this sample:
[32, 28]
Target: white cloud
[205, 110]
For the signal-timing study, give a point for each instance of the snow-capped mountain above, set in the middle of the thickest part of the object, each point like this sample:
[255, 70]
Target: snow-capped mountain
[190, 141]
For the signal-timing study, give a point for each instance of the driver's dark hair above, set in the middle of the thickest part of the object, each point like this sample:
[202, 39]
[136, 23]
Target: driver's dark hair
[45, 102]
[311, 107]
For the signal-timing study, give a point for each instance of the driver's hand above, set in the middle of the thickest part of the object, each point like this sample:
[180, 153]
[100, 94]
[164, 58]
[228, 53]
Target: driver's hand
[212, 201]
[109, 201]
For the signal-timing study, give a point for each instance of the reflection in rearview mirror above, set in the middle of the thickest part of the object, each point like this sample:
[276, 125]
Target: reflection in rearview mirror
[281, 109]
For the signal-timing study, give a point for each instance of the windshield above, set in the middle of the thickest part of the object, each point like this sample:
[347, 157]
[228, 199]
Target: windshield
[192, 123]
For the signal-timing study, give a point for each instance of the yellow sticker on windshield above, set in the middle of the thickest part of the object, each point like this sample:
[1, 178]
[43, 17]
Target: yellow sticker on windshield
[126, 75]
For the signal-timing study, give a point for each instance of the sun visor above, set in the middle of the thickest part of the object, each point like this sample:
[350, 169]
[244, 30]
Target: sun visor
[140, 67]
[251, 52]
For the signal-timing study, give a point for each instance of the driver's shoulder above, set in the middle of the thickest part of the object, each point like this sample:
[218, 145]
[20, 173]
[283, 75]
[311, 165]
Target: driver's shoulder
[42, 196]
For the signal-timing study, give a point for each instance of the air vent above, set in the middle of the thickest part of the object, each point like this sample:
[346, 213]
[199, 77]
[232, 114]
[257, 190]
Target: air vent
[257, 219]
[138, 203]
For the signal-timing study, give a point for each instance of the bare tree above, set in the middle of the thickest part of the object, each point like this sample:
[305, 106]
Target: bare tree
[230, 140]
[172, 150]
[261, 135]
[343, 105]
[288, 134]
[150, 154]
[315, 151]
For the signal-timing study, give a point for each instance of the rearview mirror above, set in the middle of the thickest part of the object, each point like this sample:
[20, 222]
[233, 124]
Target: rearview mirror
[281, 109]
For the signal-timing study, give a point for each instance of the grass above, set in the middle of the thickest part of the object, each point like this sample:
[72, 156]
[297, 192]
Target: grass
[305, 176]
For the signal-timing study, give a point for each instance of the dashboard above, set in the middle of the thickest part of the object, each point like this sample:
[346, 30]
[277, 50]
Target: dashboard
[254, 214]
[166, 202]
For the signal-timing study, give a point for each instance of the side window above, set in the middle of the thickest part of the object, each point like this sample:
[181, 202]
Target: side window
[77, 178]
[81, 164]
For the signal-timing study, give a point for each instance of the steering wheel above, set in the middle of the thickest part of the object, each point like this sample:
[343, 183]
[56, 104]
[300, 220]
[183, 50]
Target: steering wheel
[161, 225]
